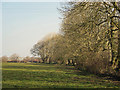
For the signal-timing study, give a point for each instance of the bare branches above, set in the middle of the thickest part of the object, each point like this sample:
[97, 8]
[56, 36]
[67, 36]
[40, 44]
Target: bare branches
[116, 6]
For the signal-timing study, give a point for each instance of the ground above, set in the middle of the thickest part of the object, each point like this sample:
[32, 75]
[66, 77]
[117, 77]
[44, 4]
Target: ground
[29, 75]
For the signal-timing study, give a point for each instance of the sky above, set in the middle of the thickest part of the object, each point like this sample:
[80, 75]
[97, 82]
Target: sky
[25, 23]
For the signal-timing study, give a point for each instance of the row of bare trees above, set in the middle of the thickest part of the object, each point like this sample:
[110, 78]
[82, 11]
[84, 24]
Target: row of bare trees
[93, 28]
[89, 38]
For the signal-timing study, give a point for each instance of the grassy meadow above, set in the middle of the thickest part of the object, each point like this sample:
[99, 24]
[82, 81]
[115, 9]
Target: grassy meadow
[32, 75]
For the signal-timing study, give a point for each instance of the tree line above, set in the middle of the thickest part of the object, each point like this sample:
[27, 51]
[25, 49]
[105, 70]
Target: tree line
[17, 59]
[89, 38]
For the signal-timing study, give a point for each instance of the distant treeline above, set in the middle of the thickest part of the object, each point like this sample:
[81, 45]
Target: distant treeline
[17, 59]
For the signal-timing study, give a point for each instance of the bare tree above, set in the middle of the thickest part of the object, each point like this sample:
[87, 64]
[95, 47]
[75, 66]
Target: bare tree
[14, 57]
[4, 58]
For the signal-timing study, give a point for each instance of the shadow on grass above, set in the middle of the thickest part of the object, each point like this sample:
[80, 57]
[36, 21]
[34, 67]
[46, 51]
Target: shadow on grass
[105, 76]
[78, 71]
[87, 73]
[109, 77]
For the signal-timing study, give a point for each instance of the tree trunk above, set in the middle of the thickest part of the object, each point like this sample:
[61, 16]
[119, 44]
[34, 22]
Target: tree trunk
[118, 56]
[68, 61]
[43, 60]
[110, 42]
[73, 62]
[50, 60]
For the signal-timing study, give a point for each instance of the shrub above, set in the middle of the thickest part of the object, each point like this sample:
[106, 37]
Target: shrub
[95, 62]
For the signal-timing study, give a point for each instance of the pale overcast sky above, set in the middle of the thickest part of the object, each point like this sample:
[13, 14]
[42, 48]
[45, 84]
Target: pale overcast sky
[25, 23]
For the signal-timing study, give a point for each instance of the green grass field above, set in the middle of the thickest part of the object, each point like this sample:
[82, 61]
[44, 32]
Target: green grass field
[28, 75]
